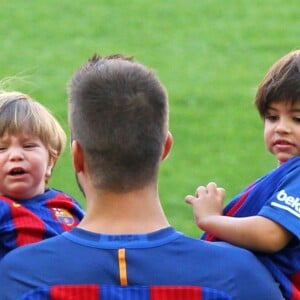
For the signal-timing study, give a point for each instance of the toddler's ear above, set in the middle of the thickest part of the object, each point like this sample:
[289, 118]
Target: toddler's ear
[48, 172]
[51, 164]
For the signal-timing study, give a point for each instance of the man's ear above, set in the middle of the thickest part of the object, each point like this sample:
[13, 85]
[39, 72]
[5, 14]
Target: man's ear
[167, 146]
[77, 156]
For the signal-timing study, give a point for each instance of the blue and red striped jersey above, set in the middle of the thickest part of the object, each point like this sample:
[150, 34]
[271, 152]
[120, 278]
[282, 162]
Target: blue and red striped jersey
[114, 292]
[164, 257]
[275, 196]
[32, 220]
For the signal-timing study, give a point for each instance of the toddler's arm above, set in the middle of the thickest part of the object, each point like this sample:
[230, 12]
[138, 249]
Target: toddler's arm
[254, 233]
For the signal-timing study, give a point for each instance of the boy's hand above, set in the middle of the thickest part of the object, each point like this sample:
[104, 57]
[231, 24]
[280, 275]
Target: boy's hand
[207, 203]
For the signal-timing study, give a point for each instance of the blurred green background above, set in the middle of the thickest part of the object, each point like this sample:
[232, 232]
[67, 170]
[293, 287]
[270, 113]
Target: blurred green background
[210, 55]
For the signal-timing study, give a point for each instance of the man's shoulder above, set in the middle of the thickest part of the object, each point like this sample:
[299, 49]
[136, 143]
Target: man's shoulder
[217, 247]
[224, 253]
[23, 255]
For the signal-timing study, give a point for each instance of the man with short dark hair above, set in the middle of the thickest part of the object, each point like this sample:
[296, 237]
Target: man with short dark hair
[118, 115]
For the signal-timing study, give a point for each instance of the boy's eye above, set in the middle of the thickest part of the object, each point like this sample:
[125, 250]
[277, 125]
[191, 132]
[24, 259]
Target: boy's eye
[2, 148]
[29, 145]
[271, 118]
[297, 119]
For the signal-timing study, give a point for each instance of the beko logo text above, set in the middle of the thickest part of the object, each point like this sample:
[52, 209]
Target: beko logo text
[292, 202]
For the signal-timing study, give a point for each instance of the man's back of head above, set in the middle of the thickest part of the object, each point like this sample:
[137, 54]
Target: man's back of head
[118, 113]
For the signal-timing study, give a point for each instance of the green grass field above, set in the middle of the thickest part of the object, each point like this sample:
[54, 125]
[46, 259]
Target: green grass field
[210, 54]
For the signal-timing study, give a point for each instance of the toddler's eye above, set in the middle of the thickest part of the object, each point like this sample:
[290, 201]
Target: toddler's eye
[297, 119]
[29, 145]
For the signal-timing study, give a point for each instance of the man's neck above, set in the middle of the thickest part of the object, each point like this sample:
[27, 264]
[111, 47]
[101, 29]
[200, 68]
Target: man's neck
[124, 213]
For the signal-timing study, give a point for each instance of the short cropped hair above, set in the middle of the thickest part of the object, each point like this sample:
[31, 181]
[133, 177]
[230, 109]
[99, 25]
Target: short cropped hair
[118, 112]
[19, 113]
[281, 83]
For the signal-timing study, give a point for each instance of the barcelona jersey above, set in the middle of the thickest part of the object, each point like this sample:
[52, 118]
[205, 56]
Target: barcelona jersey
[276, 196]
[99, 292]
[27, 221]
[160, 258]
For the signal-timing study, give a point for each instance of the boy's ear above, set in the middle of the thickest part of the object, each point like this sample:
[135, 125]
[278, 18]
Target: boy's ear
[77, 156]
[51, 164]
[167, 146]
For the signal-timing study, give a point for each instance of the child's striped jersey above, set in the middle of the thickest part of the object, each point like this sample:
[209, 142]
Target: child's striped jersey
[27, 221]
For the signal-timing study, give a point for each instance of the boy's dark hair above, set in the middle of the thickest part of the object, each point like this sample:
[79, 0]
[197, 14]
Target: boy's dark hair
[118, 112]
[281, 83]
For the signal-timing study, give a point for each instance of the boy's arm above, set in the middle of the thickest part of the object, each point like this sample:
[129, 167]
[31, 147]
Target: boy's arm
[254, 233]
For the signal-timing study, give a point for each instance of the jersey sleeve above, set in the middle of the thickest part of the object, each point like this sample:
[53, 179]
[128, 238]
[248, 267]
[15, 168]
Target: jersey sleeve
[283, 206]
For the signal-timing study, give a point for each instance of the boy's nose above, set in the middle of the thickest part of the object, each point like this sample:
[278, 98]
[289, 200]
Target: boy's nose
[283, 127]
[16, 153]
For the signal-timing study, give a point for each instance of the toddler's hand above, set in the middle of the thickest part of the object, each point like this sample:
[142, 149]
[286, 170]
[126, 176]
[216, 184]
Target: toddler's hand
[207, 202]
